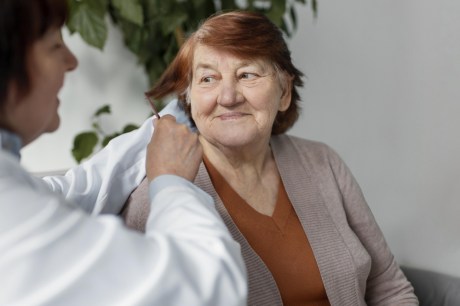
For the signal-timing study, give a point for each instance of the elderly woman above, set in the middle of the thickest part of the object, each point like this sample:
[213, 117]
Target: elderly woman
[307, 234]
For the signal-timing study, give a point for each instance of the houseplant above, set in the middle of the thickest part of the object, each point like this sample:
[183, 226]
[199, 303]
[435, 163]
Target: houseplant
[154, 30]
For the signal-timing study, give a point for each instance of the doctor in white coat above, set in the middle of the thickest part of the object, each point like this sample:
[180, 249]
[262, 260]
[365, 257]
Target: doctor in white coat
[63, 247]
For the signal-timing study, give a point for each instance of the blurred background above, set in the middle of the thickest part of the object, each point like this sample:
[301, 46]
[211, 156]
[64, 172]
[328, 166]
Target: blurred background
[382, 88]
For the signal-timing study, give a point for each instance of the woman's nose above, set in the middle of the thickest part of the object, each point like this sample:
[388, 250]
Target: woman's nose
[229, 94]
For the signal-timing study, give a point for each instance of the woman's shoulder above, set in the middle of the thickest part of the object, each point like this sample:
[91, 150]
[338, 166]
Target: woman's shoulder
[303, 145]
[312, 154]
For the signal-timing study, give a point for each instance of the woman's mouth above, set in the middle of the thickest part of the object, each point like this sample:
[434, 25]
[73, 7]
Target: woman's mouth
[231, 116]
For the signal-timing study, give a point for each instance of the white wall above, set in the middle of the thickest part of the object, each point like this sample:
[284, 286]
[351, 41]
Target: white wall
[381, 88]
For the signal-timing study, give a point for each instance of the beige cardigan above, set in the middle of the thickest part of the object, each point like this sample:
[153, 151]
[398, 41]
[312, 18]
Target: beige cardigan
[355, 262]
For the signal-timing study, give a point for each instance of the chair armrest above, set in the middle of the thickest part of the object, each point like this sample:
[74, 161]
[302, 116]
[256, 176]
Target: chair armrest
[434, 288]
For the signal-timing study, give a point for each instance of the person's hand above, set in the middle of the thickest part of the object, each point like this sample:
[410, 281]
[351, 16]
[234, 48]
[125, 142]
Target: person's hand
[173, 149]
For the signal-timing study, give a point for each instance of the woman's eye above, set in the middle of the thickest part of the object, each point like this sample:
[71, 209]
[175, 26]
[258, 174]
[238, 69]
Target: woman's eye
[247, 75]
[207, 79]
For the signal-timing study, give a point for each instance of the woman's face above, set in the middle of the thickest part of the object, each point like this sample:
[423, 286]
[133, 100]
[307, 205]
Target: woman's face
[234, 101]
[36, 113]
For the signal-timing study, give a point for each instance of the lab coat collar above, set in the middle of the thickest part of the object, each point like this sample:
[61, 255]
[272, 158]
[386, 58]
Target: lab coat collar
[10, 142]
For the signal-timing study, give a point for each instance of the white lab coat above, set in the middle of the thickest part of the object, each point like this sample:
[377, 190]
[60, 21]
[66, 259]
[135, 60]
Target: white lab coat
[103, 183]
[52, 253]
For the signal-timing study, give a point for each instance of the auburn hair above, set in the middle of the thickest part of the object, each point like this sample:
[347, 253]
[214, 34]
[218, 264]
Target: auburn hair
[247, 35]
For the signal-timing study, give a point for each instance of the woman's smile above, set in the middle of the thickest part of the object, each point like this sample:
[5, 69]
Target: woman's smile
[231, 116]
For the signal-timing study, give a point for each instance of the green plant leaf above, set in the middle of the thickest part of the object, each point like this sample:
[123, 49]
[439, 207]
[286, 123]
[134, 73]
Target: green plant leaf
[105, 109]
[314, 7]
[130, 10]
[293, 17]
[134, 39]
[171, 22]
[276, 12]
[87, 18]
[200, 10]
[228, 5]
[129, 127]
[198, 3]
[83, 145]
[107, 138]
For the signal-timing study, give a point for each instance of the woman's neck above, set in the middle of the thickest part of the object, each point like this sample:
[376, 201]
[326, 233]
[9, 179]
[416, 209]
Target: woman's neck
[253, 174]
[239, 163]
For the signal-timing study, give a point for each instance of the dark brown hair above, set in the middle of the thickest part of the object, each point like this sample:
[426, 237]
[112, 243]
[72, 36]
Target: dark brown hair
[22, 22]
[248, 35]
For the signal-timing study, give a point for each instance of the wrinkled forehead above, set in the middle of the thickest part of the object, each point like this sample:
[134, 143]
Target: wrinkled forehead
[208, 56]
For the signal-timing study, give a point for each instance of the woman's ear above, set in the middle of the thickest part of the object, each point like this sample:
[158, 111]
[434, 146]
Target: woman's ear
[286, 95]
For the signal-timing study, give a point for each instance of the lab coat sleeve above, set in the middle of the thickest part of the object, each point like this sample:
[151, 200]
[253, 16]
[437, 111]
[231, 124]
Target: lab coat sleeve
[103, 183]
[54, 254]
